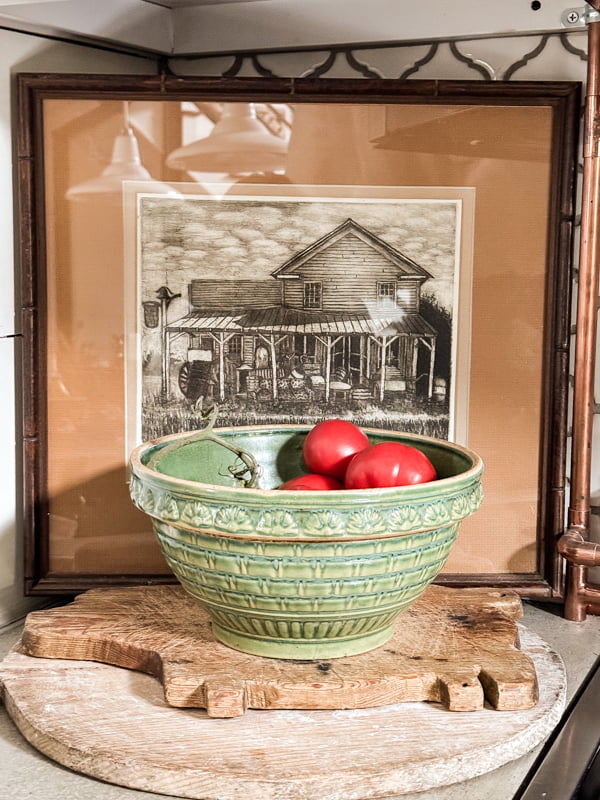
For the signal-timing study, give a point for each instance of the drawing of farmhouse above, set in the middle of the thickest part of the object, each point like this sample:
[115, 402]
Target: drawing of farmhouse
[339, 320]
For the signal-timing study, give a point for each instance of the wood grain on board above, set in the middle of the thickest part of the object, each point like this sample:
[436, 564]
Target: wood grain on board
[115, 725]
[457, 647]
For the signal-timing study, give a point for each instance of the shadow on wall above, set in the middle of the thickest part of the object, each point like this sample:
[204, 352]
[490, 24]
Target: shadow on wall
[94, 528]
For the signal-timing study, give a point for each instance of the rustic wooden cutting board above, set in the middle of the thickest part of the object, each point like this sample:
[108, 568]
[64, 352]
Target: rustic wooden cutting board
[453, 646]
[114, 725]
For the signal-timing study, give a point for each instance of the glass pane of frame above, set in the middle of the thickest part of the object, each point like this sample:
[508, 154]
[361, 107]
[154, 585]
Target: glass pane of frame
[395, 252]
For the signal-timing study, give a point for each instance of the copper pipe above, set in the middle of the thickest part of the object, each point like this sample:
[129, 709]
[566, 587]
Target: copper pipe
[580, 554]
[585, 347]
[575, 609]
[578, 550]
[586, 598]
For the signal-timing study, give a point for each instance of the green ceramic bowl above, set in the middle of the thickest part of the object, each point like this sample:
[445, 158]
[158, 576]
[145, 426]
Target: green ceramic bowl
[304, 574]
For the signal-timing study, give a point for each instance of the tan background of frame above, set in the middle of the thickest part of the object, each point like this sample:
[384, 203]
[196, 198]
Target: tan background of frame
[94, 528]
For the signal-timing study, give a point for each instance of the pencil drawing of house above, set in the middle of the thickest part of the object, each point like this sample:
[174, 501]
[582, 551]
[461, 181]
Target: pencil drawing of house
[339, 320]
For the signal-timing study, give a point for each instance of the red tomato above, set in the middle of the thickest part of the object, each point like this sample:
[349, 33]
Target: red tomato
[388, 464]
[331, 444]
[312, 481]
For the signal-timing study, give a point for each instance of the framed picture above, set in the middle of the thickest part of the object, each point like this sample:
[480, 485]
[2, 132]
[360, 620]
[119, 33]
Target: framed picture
[394, 252]
[271, 301]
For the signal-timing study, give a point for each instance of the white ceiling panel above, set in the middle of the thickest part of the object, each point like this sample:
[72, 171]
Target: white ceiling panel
[293, 23]
[131, 22]
[185, 3]
[196, 27]
[25, 2]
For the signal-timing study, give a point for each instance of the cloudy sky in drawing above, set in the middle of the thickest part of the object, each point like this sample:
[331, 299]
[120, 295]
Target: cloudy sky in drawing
[189, 237]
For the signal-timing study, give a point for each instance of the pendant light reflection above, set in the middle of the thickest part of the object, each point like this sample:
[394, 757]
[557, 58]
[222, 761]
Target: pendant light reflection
[239, 144]
[125, 165]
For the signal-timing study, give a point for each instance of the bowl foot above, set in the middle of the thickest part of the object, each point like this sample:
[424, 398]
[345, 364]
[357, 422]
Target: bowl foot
[302, 649]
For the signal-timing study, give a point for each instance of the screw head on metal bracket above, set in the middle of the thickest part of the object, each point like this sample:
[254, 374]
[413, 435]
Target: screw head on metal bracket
[579, 17]
[572, 16]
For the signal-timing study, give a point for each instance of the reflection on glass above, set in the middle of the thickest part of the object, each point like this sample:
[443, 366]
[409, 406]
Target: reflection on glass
[125, 165]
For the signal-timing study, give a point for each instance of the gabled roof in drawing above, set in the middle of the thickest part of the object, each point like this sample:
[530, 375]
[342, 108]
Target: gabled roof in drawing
[405, 265]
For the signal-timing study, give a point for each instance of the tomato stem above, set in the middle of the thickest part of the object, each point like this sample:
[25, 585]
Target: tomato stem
[246, 473]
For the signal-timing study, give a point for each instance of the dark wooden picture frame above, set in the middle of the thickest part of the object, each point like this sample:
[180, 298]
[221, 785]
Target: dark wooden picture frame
[461, 121]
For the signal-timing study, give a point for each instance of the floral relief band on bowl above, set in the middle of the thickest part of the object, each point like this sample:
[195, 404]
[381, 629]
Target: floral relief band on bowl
[299, 574]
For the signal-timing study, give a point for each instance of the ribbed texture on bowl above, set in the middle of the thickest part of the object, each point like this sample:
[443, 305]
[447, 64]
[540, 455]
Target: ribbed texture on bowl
[305, 602]
[304, 574]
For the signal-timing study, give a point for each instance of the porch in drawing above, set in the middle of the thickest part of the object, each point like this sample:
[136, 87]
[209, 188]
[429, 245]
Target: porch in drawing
[338, 321]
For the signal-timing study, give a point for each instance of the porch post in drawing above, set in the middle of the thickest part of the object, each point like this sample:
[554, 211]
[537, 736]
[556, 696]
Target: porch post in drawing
[384, 346]
[166, 358]
[328, 347]
[415, 360]
[222, 366]
[431, 368]
[361, 358]
[273, 365]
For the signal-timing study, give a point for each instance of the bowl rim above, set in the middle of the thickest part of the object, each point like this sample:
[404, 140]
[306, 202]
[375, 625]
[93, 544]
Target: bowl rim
[336, 496]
